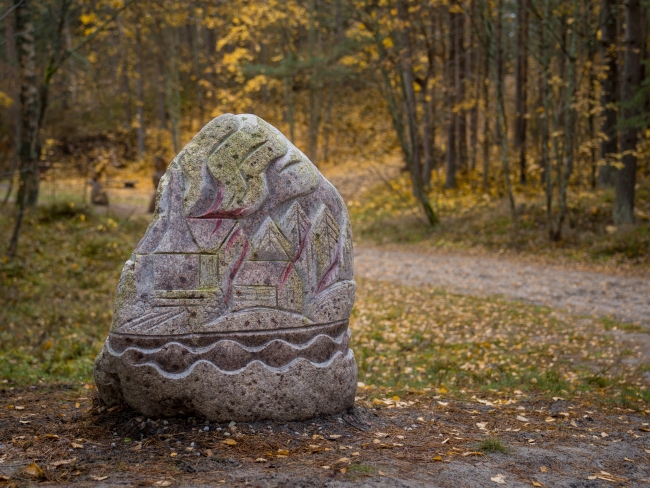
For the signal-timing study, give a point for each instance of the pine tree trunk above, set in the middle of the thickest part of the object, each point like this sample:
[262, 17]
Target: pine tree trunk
[626, 176]
[521, 71]
[608, 92]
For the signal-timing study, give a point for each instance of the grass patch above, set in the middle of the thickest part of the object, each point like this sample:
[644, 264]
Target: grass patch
[494, 444]
[56, 298]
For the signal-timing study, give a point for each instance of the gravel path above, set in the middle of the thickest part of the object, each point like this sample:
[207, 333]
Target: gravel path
[626, 298]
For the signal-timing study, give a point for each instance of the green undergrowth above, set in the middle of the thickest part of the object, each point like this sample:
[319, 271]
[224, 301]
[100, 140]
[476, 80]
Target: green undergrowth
[473, 218]
[56, 297]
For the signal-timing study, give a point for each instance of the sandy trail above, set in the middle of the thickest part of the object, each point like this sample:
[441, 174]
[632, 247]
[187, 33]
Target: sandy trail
[585, 292]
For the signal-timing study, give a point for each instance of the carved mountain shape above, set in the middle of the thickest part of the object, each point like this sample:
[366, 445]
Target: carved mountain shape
[326, 233]
[209, 234]
[295, 224]
[269, 243]
[232, 255]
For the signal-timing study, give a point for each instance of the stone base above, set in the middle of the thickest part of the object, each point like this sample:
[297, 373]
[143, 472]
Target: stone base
[298, 391]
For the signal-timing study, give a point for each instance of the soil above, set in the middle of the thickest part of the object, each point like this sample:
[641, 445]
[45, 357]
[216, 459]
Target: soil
[54, 435]
[623, 297]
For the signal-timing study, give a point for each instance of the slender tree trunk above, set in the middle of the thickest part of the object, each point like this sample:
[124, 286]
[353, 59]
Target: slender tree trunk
[461, 113]
[314, 88]
[428, 132]
[450, 95]
[172, 87]
[197, 40]
[593, 163]
[547, 172]
[29, 115]
[10, 45]
[521, 72]
[486, 121]
[626, 177]
[566, 169]
[327, 128]
[140, 93]
[498, 63]
[289, 103]
[413, 157]
[473, 68]
[608, 92]
[124, 77]
[160, 89]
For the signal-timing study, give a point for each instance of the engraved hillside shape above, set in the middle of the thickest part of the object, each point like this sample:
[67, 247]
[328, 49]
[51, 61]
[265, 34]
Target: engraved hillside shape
[235, 304]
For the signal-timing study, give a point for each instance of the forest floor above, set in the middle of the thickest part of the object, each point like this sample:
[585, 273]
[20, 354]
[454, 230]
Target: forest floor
[59, 435]
[479, 365]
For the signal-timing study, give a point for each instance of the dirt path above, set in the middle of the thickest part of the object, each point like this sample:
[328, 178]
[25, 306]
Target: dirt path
[626, 298]
[59, 436]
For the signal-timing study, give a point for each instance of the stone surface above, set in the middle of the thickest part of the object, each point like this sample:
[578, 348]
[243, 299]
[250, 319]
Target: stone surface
[235, 303]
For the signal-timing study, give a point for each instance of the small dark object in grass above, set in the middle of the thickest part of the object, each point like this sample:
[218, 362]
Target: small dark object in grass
[494, 444]
[129, 184]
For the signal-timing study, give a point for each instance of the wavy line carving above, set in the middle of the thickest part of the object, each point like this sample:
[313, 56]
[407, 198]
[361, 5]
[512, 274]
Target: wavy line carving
[283, 369]
[228, 355]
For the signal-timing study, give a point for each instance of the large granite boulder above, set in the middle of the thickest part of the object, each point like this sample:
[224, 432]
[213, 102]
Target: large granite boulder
[235, 303]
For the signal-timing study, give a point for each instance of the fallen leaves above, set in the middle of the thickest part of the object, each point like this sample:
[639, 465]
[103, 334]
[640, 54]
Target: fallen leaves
[499, 479]
[63, 462]
[605, 476]
[98, 477]
[74, 445]
[229, 442]
[32, 470]
[522, 418]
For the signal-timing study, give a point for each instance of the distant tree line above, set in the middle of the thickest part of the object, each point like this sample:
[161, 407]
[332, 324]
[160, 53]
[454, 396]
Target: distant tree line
[545, 93]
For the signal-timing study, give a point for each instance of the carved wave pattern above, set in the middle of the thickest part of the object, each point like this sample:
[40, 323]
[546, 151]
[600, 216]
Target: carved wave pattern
[228, 355]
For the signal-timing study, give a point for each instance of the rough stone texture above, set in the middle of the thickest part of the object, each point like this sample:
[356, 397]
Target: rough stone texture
[235, 303]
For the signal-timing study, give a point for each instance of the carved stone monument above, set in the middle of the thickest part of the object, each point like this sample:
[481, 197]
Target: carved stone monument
[235, 303]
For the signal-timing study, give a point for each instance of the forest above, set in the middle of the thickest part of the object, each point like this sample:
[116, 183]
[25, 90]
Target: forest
[503, 96]
[494, 159]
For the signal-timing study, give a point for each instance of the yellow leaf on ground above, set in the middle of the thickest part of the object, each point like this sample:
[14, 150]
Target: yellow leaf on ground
[74, 445]
[32, 470]
[283, 452]
[230, 442]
